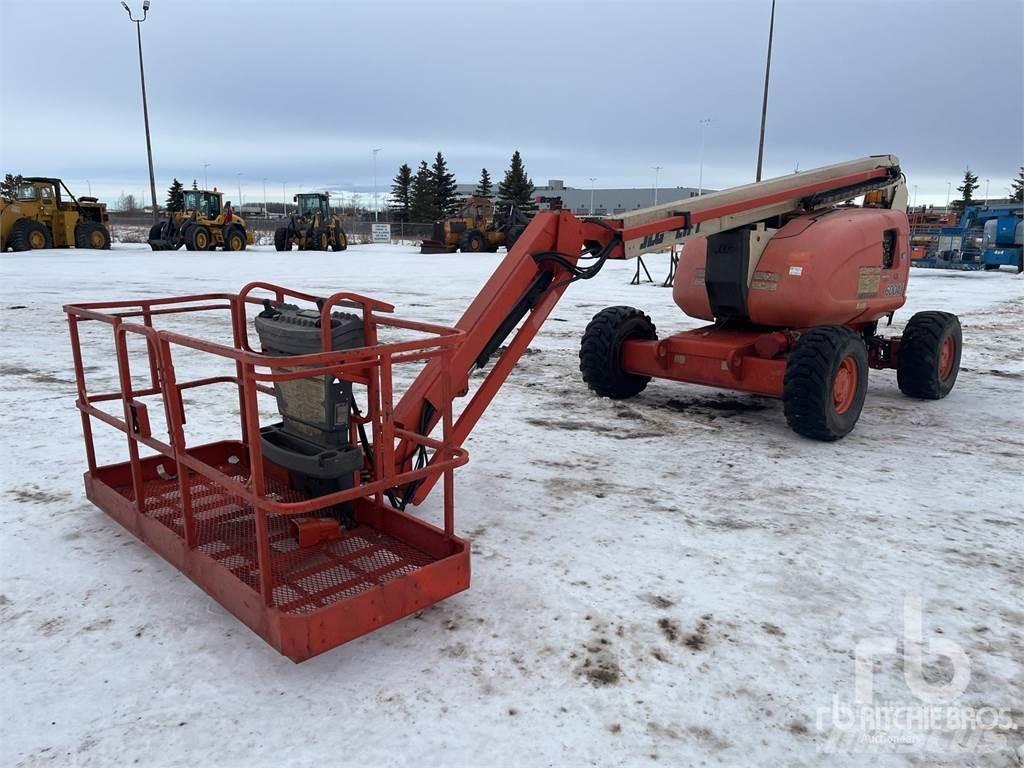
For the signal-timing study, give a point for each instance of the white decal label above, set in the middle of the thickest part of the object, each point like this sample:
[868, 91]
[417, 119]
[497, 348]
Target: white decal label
[796, 271]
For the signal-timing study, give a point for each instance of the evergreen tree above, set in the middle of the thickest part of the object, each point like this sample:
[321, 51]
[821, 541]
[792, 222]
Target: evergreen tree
[966, 190]
[175, 197]
[516, 188]
[484, 187]
[401, 194]
[422, 195]
[9, 185]
[195, 185]
[1017, 186]
[446, 195]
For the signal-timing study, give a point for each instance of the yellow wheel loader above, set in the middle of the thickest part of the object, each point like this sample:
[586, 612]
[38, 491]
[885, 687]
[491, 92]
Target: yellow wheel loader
[476, 228]
[39, 217]
[202, 226]
[311, 227]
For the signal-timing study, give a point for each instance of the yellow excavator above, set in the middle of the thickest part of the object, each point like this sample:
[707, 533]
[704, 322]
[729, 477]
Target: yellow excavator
[201, 226]
[37, 216]
[476, 228]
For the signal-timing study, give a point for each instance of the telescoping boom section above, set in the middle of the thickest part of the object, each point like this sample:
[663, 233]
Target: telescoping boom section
[301, 527]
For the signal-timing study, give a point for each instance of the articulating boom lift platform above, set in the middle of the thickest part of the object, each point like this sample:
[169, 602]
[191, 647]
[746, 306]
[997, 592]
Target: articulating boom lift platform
[300, 528]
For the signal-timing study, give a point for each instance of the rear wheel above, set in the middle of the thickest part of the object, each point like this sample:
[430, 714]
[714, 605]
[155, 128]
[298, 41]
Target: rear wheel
[29, 235]
[601, 351]
[929, 355]
[92, 234]
[340, 239]
[155, 234]
[282, 241]
[234, 239]
[472, 241]
[198, 238]
[321, 239]
[826, 382]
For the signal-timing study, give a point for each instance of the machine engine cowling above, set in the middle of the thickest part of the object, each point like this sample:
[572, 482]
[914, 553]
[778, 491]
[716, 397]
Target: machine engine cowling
[832, 267]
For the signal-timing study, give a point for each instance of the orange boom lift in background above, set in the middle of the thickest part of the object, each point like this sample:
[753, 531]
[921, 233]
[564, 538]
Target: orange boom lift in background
[301, 528]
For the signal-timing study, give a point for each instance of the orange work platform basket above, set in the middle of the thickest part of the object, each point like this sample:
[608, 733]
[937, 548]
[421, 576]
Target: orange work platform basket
[275, 553]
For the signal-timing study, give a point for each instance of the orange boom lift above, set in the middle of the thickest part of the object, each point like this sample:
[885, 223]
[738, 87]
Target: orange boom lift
[301, 528]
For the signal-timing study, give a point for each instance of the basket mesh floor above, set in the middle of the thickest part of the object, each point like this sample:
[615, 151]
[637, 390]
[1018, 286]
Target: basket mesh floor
[304, 579]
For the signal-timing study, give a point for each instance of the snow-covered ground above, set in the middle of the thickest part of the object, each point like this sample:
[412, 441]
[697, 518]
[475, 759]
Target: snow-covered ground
[677, 579]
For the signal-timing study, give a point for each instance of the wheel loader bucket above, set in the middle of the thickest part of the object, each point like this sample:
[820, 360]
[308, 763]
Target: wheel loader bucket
[436, 246]
[161, 245]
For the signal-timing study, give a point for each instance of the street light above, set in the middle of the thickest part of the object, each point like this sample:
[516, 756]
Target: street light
[764, 103]
[378, 149]
[206, 180]
[592, 180]
[949, 191]
[238, 178]
[284, 199]
[265, 214]
[700, 174]
[657, 170]
[145, 108]
[986, 191]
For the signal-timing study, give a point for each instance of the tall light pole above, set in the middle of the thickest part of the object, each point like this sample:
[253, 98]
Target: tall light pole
[378, 149]
[206, 179]
[284, 199]
[238, 178]
[592, 180]
[145, 108]
[764, 103]
[986, 191]
[265, 214]
[949, 192]
[700, 173]
[657, 170]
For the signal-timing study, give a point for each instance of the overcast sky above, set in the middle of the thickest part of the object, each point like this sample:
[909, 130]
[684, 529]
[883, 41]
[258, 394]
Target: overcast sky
[303, 91]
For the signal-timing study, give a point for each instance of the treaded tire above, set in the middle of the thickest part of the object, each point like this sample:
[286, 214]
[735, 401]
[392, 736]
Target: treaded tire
[340, 239]
[929, 355]
[472, 241]
[234, 238]
[23, 232]
[601, 351]
[810, 384]
[198, 238]
[281, 240]
[92, 234]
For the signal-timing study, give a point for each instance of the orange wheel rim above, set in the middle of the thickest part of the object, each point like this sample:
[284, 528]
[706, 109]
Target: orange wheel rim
[946, 354]
[36, 240]
[844, 385]
[97, 239]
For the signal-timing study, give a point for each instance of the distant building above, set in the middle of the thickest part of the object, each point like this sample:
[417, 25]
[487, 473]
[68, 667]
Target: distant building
[607, 202]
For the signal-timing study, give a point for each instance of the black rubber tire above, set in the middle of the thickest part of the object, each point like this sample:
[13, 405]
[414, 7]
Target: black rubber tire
[808, 384]
[282, 242]
[234, 238]
[340, 239]
[86, 233]
[319, 240]
[22, 232]
[512, 235]
[472, 241]
[198, 238]
[601, 351]
[917, 368]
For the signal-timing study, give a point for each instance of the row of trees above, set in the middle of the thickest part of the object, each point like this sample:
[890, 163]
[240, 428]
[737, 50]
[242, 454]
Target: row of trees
[970, 183]
[431, 192]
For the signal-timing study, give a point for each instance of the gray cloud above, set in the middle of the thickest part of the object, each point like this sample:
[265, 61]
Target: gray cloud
[302, 91]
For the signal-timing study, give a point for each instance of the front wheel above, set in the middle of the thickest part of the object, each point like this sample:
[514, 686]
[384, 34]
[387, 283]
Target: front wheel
[601, 351]
[826, 382]
[340, 239]
[282, 240]
[929, 355]
[472, 241]
[198, 238]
